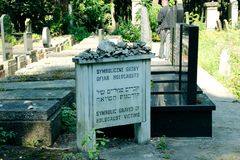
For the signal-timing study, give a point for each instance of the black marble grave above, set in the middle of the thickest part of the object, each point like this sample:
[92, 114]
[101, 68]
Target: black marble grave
[179, 108]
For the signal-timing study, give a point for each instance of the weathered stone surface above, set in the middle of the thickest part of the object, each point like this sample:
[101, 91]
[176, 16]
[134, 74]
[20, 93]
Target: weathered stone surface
[46, 37]
[33, 85]
[106, 46]
[34, 95]
[6, 31]
[29, 133]
[28, 110]
[108, 49]
[122, 45]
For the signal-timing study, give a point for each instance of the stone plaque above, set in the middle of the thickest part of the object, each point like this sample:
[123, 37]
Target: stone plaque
[118, 97]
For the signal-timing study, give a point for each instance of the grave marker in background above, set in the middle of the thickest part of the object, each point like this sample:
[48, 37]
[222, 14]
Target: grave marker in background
[6, 32]
[46, 37]
[233, 12]
[188, 62]
[212, 14]
[224, 65]
[226, 26]
[27, 36]
[146, 35]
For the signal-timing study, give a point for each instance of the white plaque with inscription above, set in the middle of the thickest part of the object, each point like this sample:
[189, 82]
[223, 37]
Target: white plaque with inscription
[113, 92]
[118, 94]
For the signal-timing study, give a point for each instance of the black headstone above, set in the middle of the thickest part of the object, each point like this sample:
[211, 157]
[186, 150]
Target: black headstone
[188, 62]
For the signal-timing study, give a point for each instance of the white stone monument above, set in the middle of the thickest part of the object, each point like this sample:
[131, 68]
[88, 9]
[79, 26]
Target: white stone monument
[112, 92]
[233, 12]
[224, 63]
[146, 33]
[6, 32]
[27, 36]
[46, 37]
[212, 14]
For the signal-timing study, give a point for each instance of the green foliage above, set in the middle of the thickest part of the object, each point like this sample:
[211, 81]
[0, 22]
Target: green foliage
[153, 13]
[146, 3]
[36, 36]
[128, 31]
[91, 13]
[69, 118]
[162, 146]
[211, 44]
[79, 33]
[72, 156]
[94, 152]
[5, 136]
[171, 2]
[42, 13]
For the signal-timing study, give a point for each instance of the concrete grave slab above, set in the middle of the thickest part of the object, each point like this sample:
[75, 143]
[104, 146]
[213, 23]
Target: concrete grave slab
[35, 85]
[20, 110]
[36, 95]
[30, 133]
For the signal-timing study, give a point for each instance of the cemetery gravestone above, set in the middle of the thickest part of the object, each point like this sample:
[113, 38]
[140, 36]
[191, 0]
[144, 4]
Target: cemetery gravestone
[178, 17]
[212, 14]
[188, 62]
[219, 25]
[226, 26]
[46, 37]
[6, 31]
[100, 35]
[146, 35]
[113, 91]
[224, 65]
[233, 12]
[28, 43]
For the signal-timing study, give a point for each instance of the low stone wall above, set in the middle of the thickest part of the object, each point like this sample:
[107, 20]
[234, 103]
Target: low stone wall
[20, 61]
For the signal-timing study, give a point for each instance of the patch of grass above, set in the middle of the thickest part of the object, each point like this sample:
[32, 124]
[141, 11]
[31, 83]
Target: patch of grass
[67, 46]
[162, 146]
[69, 118]
[211, 44]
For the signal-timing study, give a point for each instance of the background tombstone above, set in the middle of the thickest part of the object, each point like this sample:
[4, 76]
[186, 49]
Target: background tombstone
[27, 36]
[219, 25]
[70, 10]
[146, 35]
[233, 12]
[188, 63]
[100, 35]
[224, 65]
[226, 27]
[46, 37]
[178, 16]
[6, 32]
[212, 14]
[187, 18]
